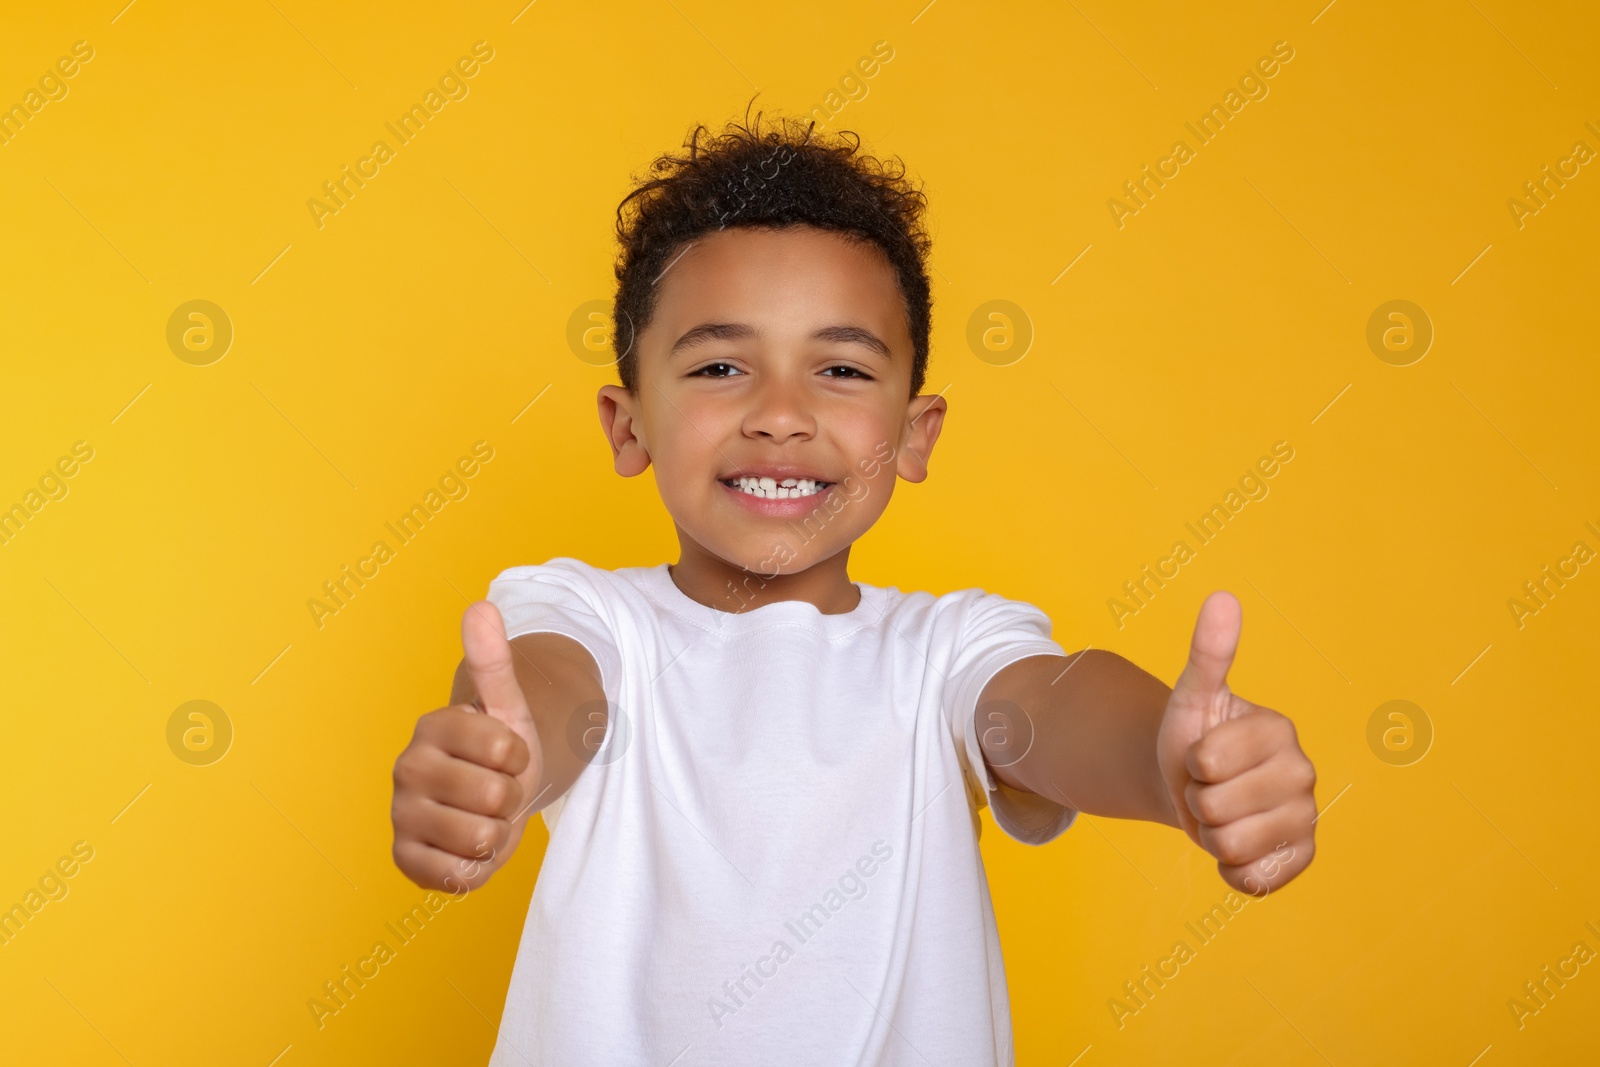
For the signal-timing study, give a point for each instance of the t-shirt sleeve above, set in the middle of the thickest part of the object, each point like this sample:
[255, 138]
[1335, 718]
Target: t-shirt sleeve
[561, 596]
[994, 633]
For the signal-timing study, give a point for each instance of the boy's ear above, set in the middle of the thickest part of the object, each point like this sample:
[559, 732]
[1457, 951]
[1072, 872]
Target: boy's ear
[618, 410]
[925, 417]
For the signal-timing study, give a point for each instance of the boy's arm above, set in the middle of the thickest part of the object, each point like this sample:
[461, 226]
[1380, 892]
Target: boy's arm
[1080, 730]
[1096, 733]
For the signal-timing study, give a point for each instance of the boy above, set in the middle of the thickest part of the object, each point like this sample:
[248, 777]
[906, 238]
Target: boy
[761, 780]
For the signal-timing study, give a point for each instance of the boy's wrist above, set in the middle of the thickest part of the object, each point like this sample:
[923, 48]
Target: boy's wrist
[1167, 800]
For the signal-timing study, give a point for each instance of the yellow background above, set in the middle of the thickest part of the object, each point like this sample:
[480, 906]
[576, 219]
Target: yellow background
[369, 354]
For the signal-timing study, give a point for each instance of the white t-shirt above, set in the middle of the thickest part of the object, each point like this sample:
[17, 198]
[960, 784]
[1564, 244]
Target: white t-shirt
[773, 857]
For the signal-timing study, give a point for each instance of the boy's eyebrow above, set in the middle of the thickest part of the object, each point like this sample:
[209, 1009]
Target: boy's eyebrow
[857, 335]
[737, 331]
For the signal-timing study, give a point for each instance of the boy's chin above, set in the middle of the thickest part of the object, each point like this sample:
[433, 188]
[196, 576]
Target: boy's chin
[768, 561]
[771, 562]
[768, 553]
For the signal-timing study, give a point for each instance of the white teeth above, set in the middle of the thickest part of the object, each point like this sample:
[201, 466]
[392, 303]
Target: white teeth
[769, 489]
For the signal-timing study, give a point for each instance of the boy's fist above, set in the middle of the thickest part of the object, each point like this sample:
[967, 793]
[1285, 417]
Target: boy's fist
[1240, 784]
[463, 785]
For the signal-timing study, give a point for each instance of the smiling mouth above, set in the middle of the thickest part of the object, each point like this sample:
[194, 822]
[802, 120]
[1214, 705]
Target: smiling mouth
[773, 489]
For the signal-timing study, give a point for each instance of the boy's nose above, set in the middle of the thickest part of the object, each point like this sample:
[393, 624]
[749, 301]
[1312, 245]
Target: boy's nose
[779, 413]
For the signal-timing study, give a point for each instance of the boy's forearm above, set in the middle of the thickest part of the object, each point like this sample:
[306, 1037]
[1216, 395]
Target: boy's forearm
[1080, 730]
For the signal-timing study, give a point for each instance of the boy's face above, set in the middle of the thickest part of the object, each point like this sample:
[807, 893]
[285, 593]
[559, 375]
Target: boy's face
[776, 353]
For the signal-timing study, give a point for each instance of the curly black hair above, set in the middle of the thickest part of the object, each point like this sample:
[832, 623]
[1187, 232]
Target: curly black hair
[783, 177]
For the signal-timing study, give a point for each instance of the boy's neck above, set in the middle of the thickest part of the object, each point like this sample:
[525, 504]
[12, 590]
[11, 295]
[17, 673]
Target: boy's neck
[710, 580]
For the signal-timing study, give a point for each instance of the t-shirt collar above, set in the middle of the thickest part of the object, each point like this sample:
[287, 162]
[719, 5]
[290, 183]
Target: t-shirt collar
[660, 588]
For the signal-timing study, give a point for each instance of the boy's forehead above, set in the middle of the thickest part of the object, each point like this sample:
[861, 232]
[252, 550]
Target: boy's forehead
[779, 281]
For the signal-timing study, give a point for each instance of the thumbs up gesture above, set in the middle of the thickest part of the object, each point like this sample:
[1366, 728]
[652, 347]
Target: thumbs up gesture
[462, 787]
[1238, 781]
[490, 666]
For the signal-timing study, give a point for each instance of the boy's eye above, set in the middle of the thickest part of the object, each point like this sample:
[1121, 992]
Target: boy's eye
[853, 372]
[709, 367]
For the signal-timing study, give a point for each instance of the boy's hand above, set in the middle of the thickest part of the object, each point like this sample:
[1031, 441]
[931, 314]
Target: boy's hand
[1237, 779]
[463, 785]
